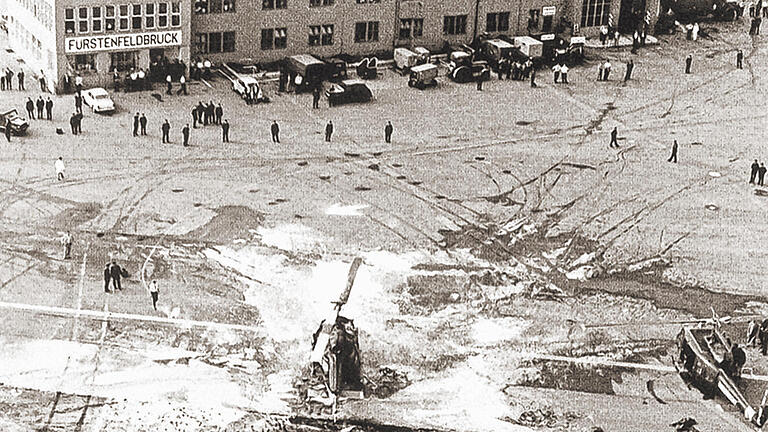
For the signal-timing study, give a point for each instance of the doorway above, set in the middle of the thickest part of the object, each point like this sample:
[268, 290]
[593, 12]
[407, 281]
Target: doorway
[631, 15]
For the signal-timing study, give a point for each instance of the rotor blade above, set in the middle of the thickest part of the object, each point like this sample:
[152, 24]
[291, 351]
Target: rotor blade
[350, 281]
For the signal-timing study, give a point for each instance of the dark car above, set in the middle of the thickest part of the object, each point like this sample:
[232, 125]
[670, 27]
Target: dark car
[19, 124]
[348, 91]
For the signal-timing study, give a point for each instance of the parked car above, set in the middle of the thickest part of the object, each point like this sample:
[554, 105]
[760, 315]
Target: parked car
[348, 91]
[98, 99]
[19, 124]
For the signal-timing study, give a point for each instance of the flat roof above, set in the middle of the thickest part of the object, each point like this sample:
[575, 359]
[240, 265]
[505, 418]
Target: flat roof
[306, 59]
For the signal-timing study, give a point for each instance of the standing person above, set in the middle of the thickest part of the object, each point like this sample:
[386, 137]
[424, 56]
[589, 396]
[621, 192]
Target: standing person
[107, 278]
[688, 62]
[59, 167]
[556, 72]
[600, 71]
[66, 241]
[316, 97]
[388, 132]
[166, 129]
[40, 107]
[479, 81]
[219, 113]
[169, 88]
[606, 70]
[739, 59]
[753, 173]
[630, 66]
[143, 124]
[183, 87]
[154, 291]
[79, 103]
[116, 79]
[614, 138]
[8, 129]
[115, 272]
[761, 174]
[2, 81]
[30, 108]
[185, 134]
[603, 34]
[564, 74]
[275, 132]
[136, 125]
[616, 37]
[533, 77]
[673, 157]
[225, 131]
[20, 77]
[328, 131]
[210, 111]
[49, 109]
[79, 123]
[194, 117]
[43, 87]
[73, 123]
[695, 31]
[78, 83]
[9, 78]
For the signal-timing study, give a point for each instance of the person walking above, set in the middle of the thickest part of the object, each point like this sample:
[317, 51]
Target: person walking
[556, 72]
[107, 278]
[136, 125]
[154, 292]
[328, 131]
[49, 109]
[753, 174]
[316, 97]
[59, 167]
[688, 62]
[20, 78]
[614, 138]
[166, 129]
[143, 124]
[40, 107]
[673, 157]
[169, 85]
[219, 113]
[275, 132]
[73, 123]
[30, 108]
[564, 74]
[185, 134]
[79, 103]
[66, 241]
[7, 130]
[739, 59]
[115, 273]
[225, 131]
[761, 174]
[630, 66]
[388, 132]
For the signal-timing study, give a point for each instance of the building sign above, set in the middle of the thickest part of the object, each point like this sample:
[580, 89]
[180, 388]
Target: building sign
[578, 40]
[122, 41]
[548, 10]
[548, 37]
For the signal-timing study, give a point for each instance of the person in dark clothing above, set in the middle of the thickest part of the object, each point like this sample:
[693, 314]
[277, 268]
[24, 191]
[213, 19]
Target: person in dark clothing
[688, 62]
[225, 131]
[614, 138]
[761, 174]
[753, 173]
[388, 132]
[107, 278]
[316, 98]
[739, 59]
[185, 134]
[210, 112]
[194, 117]
[9, 79]
[533, 78]
[143, 124]
[166, 129]
[630, 66]
[79, 103]
[328, 131]
[136, 125]
[49, 109]
[275, 132]
[79, 123]
[40, 107]
[30, 108]
[43, 86]
[73, 123]
[8, 129]
[20, 77]
[115, 272]
[219, 113]
[480, 81]
[673, 157]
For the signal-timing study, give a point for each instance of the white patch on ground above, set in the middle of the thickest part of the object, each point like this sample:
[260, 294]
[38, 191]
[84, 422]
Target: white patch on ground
[491, 331]
[342, 210]
[290, 237]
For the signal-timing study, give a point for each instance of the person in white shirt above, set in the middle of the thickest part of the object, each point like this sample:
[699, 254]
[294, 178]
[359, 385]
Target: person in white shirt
[564, 74]
[59, 165]
[556, 72]
[154, 291]
[183, 88]
[695, 31]
[170, 86]
[606, 70]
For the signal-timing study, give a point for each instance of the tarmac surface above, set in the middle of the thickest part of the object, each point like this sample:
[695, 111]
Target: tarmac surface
[482, 227]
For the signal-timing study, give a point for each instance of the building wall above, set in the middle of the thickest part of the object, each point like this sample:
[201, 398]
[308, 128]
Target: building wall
[31, 34]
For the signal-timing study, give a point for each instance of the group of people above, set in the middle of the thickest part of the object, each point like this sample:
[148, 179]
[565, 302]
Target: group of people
[41, 105]
[6, 79]
[757, 173]
[515, 70]
[560, 72]
[206, 114]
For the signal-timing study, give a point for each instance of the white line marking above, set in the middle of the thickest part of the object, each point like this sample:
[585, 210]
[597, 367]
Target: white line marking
[205, 82]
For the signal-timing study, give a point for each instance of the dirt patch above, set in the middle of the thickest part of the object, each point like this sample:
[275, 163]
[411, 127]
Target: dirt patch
[229, 223]
[433, 292]
[386, 382]
[568, 376]
[73, 217]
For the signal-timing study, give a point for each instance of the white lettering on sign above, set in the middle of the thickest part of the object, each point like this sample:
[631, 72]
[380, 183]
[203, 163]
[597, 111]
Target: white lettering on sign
[122, 41]
[548, 10]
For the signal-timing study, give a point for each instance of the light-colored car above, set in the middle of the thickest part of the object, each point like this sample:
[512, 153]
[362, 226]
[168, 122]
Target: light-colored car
[98, 99]
[18, 123]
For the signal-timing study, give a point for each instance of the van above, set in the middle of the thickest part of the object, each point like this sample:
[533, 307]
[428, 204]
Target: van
[305, 72]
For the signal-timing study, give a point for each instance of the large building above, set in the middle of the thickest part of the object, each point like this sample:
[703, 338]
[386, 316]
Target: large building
[92, 38]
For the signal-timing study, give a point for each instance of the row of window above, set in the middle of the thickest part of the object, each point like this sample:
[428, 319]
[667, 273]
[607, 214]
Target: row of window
[214, 6]
[124, 17]
[595, 12]
[41, 10]
[121, 61]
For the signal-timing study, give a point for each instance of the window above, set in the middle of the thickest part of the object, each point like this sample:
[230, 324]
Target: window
[136, 16]
[228, 5]
[228, 42]
[109, 21]
[546, 23]
[595, 12]
[314, 35]
[124, 17]
[411, 27]
[315, 3]
[96, 19]
[497, 22]
[368, 1]
[214, 6]
[274, 4]
[274, 38]
[201, 6]
[84, 62]
[69, 20]
[201, 43]
[162, 15]
[533, 19]
[321, 35]
[82, 20]
[149, 15]
[327, 37]
[123, 61]
[175, 14]
[214, 42]
[367, 31]
[455, 25]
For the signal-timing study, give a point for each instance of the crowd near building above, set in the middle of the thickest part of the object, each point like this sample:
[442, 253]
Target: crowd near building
[95, 38]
